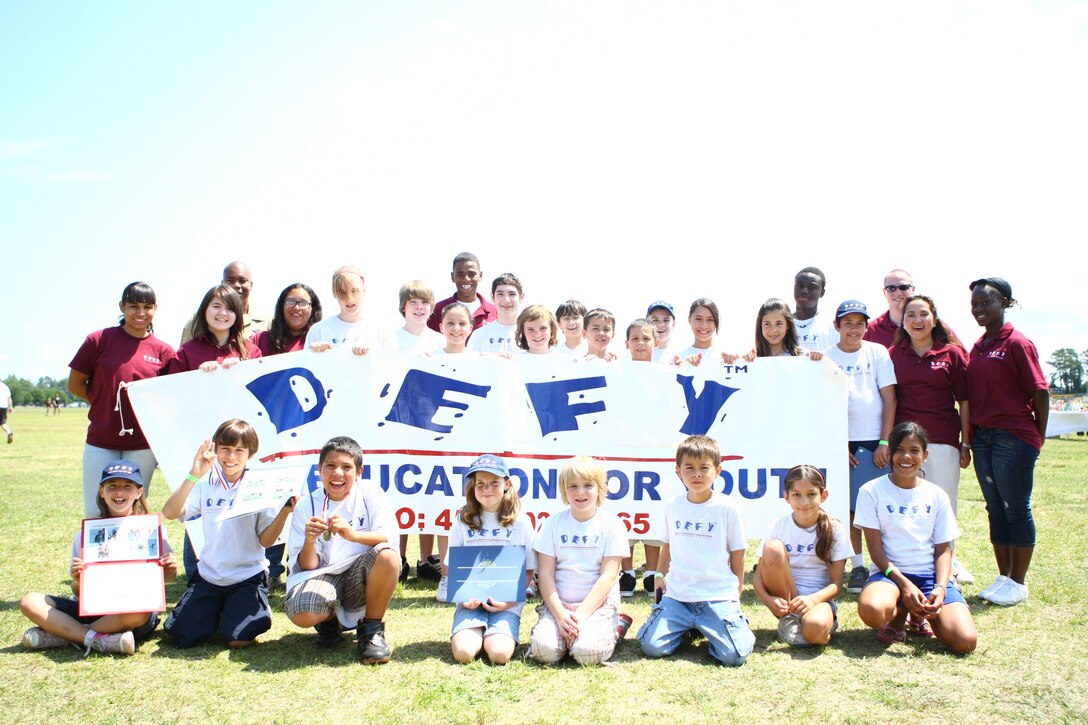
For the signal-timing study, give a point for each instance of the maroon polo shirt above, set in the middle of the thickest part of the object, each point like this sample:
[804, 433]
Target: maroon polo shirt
[485, 313]
[881, 330]
[198, 351]
[110, 357]
[263, 340]
[928, 387]
[1002, 378]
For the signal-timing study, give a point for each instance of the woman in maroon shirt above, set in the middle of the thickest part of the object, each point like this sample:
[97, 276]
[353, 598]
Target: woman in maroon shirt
[1009, 406]
[218, 334]
[297, 309]
[931, 390]
[106, 361]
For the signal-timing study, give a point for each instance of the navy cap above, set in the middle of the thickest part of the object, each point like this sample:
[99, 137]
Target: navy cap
[663, 305]
[851, 307]
[489, 463]
[122, 468]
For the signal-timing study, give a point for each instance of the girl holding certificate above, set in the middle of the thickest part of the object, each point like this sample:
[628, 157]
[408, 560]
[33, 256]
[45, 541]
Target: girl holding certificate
[56, 618]
[490, 517]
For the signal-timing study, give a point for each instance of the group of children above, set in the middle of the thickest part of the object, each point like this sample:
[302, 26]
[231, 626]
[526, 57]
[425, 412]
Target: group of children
[343, 562]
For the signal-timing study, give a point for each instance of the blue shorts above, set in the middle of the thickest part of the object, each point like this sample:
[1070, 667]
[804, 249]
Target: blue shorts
[70, 607]
[504, 622]
[925, 584]
[239, 611]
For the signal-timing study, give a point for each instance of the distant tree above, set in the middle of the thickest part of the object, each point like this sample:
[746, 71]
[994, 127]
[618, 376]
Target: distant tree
[24, 392]
[1068, 375]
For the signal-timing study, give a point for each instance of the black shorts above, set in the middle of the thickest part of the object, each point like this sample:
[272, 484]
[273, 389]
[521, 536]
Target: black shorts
[71, 607]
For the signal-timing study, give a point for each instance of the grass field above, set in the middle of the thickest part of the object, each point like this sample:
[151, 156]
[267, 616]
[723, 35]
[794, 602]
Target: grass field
[1030, 663]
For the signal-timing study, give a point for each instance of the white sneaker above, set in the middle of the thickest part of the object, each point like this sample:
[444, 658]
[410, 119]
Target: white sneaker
[1010, 594]
[38, 638]
[998, 583]
[442, 595]
[122, 643]
[789, 630]
[960, 572]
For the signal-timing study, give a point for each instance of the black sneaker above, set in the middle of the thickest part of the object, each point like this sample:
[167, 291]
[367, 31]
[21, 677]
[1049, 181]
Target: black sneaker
[372, 647]
[430, 569]
[648, 585]
[328, 634]
[405, 570]
[627, 584]
[858, 576]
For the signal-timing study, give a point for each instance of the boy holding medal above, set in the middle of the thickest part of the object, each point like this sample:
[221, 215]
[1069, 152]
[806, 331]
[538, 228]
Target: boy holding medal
[342, 566]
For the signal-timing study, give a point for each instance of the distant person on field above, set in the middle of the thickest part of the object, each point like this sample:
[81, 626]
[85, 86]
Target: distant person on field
[6, 405]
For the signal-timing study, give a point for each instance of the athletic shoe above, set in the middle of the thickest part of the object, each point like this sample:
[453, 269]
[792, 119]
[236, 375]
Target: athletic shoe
[431, 569]
[998, 583]
[122, 643]
[789, 630]
[960, 572]
[858, 576]
[532, 591]
[275, 583]
[372, 647]
[11, 437]
[328, 634]
[627, 584]
[405, 570]
[1010, 594]
[648, 585]
[442, 595]
[38, 638]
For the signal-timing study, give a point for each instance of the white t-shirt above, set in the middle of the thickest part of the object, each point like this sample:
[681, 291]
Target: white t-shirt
[911, 521]
[579, 547]
[338, 333]
[579, 351]
[700, 538]
[5, 394]
[810, 573]
[427, 341]
[868, 370]
[816, 333]
[232, 552]
[491, 533]
[494, 337]
[713, 354]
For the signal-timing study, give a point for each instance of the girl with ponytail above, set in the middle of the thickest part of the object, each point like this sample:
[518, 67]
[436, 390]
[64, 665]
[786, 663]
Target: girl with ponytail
[801, 562]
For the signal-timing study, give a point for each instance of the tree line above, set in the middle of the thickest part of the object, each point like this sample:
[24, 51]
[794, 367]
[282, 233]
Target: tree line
[1068, 376]
[24, 392]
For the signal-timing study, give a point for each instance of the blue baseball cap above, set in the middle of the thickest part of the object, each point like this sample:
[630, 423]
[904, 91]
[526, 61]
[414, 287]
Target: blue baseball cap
[663, 305]
[489, 463]
[122, 468]
[851, 307]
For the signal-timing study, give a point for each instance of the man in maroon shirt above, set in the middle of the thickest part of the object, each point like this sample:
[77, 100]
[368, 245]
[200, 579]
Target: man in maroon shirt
[898, 286]
[466, 275]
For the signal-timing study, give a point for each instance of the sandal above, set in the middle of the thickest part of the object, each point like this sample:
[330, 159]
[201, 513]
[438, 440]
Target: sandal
[919, 627]
[890, 635]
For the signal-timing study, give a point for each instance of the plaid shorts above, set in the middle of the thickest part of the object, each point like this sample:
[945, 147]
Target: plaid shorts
[321, 594]
[595, 643]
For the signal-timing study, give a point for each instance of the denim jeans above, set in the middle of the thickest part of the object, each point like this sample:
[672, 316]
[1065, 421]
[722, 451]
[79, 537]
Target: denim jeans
[1005, 467]
[722, 623]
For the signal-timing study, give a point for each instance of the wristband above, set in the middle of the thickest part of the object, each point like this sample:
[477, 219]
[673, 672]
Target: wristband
[192, 478]
[658, 575]
[890, 570]
[881, 442]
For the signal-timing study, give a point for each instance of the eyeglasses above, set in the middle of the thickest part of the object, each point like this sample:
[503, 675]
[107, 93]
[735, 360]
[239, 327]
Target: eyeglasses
[900, 287]
[292, 302]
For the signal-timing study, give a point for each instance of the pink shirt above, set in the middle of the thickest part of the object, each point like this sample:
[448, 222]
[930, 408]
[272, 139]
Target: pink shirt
[1002, 378]
[928, 387]
[110, 357]
[198, 351]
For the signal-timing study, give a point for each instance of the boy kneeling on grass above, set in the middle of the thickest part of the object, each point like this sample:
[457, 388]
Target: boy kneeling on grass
[342, 566]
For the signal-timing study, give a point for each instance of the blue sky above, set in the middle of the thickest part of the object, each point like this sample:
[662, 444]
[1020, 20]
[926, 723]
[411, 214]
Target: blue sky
[612, 152]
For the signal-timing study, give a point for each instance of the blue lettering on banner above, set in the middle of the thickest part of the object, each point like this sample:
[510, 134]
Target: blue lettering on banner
[422, 395]
[702, 409]
[745, 489]
[286, 408]
[439, 483]
[398, 478]
[551, 400]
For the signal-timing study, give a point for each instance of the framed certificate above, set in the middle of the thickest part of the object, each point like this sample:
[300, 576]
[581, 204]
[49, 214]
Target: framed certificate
[121, 570]
[479, 572]
[121, 587]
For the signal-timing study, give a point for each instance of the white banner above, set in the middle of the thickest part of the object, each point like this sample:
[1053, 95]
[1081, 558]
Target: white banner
[422, 420]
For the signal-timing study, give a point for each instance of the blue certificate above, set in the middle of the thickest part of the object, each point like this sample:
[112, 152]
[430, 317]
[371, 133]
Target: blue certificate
[866, 470]
[479, 572]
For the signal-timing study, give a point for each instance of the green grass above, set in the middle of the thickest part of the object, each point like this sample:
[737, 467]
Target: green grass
[1030, 662]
